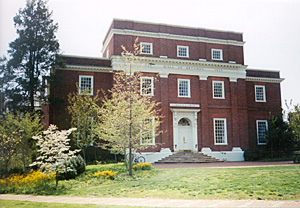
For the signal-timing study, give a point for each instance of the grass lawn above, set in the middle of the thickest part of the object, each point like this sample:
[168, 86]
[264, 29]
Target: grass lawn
[25, 204]
[265, 183]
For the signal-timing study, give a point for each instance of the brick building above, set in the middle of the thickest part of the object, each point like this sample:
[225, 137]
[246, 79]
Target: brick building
[211, 101]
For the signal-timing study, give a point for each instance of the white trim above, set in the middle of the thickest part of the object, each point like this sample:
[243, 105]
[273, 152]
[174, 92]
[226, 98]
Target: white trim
[264, 93]
[86, 68]
[213, 89]
[189, 88]
[265, 70]
[148, 44]
[225, 131]
[264, 79]
[266, 122]
[184, 105]
[185, 113]
[92, 83]
[152, 88]
[163, 67]
[115, 31]
[216, 50]
[183, 47]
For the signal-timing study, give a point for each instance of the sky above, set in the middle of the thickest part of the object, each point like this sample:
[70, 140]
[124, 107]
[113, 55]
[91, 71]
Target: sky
[271, 28]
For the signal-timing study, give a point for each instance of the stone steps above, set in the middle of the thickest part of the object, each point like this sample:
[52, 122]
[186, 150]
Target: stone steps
[188, 157]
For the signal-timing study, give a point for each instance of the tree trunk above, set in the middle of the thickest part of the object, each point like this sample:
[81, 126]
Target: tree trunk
[130, 160]
[23, 158]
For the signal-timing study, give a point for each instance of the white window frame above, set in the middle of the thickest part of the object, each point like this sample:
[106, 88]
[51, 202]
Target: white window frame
[189, 88]
[152, 86]
[257, 132]
[223, 90]
[142, 45]
[225, 131]
[183, 47]
[153, 134]
[92, 84]
[217, 50]
[264, 93]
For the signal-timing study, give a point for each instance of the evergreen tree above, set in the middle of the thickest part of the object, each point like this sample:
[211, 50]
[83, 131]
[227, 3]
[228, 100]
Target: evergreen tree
[31, 54]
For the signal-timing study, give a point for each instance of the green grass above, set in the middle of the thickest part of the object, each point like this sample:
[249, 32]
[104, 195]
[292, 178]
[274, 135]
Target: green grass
[26, 204]
[266, 183]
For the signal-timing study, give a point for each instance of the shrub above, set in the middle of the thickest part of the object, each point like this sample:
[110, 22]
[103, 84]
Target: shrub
[30, 183]
[253, 154]
[73, 167]
[142, 166]
[107, 174]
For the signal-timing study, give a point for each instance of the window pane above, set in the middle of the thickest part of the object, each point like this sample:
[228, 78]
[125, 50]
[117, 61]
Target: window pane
[261, 131]
[259, 93]
[147, 134]
[220, 132]
[182, 51]
[86, 84]
[146, 86]
[218, 89]
[146, 48]
[183, 88]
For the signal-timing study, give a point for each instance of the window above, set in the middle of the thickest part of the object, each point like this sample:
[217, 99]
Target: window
[218, 90]
[220, 131]
[217, 54]
[146, 48]
[184, 122]
[86, 84]
[182, 51]
[184, 88]
[261, 128]
[147, 86]
[147, 132]
[260, 93]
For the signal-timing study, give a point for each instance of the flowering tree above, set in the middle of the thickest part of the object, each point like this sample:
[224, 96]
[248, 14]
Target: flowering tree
[83, 109]
[129, 120]
[54, 150]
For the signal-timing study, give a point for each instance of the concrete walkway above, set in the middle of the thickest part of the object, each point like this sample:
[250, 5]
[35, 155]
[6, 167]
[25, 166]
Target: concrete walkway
[150, 202]
[223, 164]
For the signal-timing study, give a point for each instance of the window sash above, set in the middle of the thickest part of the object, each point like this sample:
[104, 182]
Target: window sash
[86, 83]
[261, 128]
[148, 138]
[218, 90]
[146, 86]
[182, 51]
[184, 88]
[220, 131]
[146, 48]
[260, 93]
[217, 54]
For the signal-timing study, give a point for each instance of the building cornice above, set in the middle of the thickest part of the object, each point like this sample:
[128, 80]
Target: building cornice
[171, 25]
[86, 68]
[264, 79]
[115, 31]
[164, 67]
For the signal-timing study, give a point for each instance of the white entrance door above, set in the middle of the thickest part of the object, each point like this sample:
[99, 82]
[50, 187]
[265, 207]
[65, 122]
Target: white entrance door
[185, 135]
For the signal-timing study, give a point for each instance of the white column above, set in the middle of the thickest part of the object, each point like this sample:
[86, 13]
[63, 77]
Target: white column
[195, 134]
[175, 131]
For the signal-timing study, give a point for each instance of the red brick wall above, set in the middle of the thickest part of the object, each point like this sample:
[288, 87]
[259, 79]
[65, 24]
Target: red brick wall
[239, 106]
[168, 47]
[65, 84]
